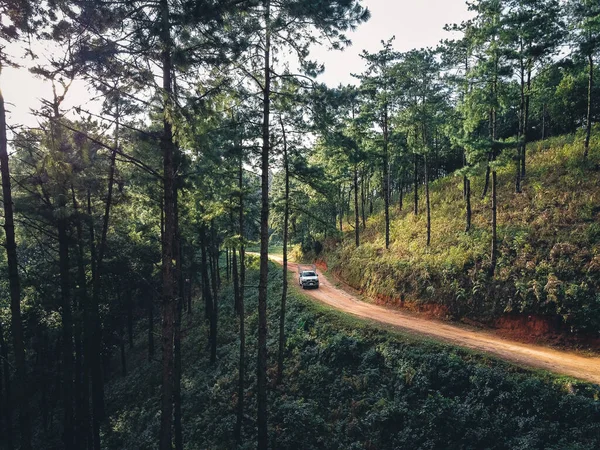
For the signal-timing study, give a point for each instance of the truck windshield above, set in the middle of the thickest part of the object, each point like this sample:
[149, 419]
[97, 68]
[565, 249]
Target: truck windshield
[309, 274]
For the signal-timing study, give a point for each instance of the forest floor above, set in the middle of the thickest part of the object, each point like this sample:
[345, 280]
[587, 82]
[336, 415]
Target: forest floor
[562, 362]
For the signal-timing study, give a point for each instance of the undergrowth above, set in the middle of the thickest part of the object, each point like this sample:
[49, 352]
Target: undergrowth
[351, 385]
[549, 244]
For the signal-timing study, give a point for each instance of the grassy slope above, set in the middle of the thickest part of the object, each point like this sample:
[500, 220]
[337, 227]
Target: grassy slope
[351, 385]
[549, 240]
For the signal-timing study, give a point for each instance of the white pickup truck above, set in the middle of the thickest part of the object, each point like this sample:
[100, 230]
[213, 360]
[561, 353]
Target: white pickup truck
[308, 278]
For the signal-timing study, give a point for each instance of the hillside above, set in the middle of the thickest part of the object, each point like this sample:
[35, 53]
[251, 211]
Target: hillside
[350, 385]
[547, 278]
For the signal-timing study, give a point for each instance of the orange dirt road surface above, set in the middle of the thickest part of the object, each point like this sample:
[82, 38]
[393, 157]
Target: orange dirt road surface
[533, 356]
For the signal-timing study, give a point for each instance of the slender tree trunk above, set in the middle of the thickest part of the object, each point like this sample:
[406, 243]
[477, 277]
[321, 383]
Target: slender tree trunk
[362, 198]
[206, 295]
[356, 211]
[177, 365]
[427, 201]
[544, 122]
[494, 256]
[370, 194]
[401, 191]
[21, 380]
[241, 312]
[416, 183]
[519, 157]
[82, 398]
[236, 280]
[261, 366]
[588, 128]
[67, 327]
[6, 401]
[386, 186]
[468, 204]
[286, 219]
[168, 300]
[4, 408]
[487, 177]
[214, 253]
[526, 124]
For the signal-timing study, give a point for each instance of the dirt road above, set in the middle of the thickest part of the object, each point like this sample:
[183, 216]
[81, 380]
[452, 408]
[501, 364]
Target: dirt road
[535, 356]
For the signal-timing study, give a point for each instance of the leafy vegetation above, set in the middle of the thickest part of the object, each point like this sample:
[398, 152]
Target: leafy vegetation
[348, 384]
[548, 238]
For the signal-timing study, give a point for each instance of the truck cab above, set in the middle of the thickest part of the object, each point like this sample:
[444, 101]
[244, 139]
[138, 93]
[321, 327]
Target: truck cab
[309, 278]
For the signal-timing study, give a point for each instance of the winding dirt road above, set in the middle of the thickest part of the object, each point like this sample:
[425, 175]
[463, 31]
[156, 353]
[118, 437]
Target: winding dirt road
[527, 355]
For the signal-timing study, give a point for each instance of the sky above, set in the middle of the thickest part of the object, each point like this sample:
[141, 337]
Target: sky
[414, 23]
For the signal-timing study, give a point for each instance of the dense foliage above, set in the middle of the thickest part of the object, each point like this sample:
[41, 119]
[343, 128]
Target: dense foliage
[205, 130]
[349, 385]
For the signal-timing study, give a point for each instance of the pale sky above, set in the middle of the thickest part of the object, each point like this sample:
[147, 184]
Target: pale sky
[415, 23]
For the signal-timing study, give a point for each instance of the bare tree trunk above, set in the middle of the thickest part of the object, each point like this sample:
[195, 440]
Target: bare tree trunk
[487, 178]
[241, 312]
[206, 293]
[261, 366]
[21, 381]
[427, 201]
[468, 204]
[588, 127]
[214, 256]
[544, 122]
[177, 365]
[168, 300]
[386, 184]
[356, 211]
[416, 183]
[83, 342]
[526, 124]
[362, 197]
[286, 218]
[494, 256]
[5, 401]
[67, 327]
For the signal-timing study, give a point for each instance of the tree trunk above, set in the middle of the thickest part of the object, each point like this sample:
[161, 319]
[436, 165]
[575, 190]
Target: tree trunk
[519, 157]
[487, 178]
[356, 211]
[241, 312]
[386, 186]
[468, 204]
[261, 366]
[416, 184]
[177, 365]
[83, 342]
[286, 218]
[494, 256]
[21, 381]
[362, 198]
[526, 124]
[588, 128]
[206, 295]
[427, 201]
[214, 256]
[401, 192]
[544, 122]
[5, 401]
[67, 327]
[168, 300]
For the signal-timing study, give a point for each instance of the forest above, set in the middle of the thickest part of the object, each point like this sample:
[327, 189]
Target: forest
[139, 308]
